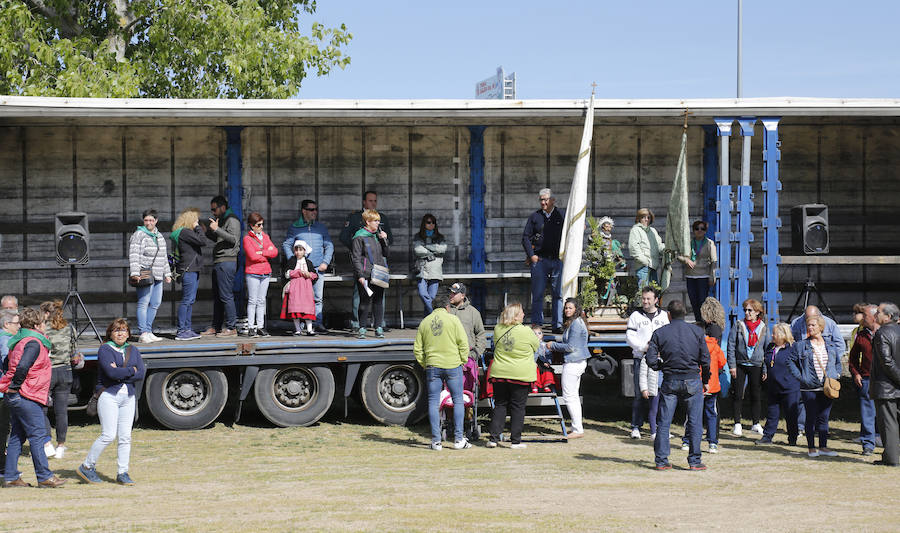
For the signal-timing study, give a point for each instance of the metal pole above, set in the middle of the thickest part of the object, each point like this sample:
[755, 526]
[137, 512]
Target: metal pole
[740, 45]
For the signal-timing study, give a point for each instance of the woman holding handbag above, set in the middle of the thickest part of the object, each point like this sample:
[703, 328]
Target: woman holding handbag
[368, 250]
[258, 249]
[148, 268]
[817, 366]
[429, 246]
[119, 368]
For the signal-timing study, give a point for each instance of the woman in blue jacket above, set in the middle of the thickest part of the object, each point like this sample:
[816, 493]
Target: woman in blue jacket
[783, 386]
[119, 368]
[575, 352]
[813, 361]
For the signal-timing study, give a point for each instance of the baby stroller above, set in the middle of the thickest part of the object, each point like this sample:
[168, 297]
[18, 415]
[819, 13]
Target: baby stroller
[471, 429]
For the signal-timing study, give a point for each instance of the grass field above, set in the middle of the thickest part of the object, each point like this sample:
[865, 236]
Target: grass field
[355, 475]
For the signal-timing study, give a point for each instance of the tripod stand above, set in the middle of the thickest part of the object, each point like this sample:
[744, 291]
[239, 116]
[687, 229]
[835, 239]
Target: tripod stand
[808, 287]
[76, 301]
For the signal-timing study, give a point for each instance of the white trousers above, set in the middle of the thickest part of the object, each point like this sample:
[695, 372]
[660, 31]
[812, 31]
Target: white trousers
[116, 418]
[571, 382]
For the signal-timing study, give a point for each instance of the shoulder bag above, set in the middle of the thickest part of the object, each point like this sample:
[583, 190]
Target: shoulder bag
[91, 408]
[145, 277]
[381, 275]
[831, 388]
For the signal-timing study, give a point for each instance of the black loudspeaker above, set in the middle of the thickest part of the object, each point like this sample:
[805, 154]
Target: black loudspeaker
[809, 229]
[72, 238]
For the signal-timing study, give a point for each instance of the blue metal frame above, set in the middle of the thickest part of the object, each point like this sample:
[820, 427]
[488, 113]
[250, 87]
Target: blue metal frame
[724, 236]
[477, 213]
[234, 189]
[771, 221]
[710, 179]
[742, 272]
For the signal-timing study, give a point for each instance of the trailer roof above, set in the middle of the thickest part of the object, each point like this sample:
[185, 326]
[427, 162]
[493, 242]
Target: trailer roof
[47, 110]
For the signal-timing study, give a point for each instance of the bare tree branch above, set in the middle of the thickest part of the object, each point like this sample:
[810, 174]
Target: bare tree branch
[67, 25]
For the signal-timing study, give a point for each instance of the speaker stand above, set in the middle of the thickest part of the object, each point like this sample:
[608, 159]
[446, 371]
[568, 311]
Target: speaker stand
[77, 302]
[810, 287]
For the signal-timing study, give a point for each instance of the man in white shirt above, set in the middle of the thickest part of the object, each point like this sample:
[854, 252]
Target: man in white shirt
[641, 325]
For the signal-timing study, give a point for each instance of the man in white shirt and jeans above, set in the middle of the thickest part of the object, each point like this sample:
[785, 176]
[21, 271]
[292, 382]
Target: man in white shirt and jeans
[641, 325]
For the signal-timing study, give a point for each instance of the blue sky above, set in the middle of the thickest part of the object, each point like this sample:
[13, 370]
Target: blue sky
[636, 49]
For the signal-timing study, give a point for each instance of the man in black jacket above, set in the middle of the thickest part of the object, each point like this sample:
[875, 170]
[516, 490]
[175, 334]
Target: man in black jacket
[541, 238]
[679, 350]
[884, 381]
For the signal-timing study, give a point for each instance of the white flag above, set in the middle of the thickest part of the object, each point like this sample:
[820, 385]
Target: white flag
[573, 228]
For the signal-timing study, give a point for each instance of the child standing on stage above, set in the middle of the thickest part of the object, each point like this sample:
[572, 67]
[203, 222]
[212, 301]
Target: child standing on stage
[298, 303]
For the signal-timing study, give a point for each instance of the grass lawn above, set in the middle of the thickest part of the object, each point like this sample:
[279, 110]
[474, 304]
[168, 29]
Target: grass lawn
[355, 475]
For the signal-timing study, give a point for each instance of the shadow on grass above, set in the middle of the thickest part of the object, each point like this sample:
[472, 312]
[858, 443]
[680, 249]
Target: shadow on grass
[646, 464]
[73, 476]
[410, 442]
[798, 452]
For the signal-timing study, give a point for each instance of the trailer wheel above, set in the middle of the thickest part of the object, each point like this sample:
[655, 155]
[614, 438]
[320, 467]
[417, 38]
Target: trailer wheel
[296, 395]
[186, 398]
[394, 394]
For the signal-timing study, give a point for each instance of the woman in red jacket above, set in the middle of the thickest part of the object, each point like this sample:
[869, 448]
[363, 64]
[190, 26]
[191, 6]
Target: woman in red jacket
[26, 385]
[258, 249]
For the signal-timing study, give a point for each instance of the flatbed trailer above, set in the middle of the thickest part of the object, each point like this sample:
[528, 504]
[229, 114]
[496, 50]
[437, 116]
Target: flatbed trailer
[293, 379]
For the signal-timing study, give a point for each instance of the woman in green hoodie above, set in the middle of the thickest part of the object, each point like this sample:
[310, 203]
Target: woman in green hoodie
[511, 373]
[369, 247]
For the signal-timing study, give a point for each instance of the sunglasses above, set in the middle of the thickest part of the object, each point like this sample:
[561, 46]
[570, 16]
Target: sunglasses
[749, 310]
[430, 222]
[310, 208]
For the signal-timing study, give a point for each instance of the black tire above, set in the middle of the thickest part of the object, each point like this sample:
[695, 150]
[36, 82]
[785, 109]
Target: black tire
[394, 393]
[186, 398]
[294, 395]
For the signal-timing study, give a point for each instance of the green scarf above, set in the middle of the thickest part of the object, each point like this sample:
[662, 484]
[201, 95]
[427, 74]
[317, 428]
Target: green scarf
[176, 253]
[363, 232]
[300, 223]
[228, 213]
[116, 346]
[25, 332]
[155, 234]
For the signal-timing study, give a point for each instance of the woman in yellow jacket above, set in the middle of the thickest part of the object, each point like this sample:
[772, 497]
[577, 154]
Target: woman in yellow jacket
[511, 373]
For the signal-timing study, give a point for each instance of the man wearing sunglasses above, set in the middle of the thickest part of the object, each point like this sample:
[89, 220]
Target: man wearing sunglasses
[225, 229]
[308, 229]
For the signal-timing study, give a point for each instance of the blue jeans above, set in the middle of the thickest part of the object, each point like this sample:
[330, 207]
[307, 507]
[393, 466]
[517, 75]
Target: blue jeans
[148, 302]
[257, 287]
[189, 283]
[224, 311]
[26, 419]
[818, 409]
[116, 412]
[546, 268]
[711, 417]
[788, 403]
[318, 287]
[698, 290]
[645, 275]
[436, 377]
[639, 405]
[427, 291]
[867, 416]
[670, 392]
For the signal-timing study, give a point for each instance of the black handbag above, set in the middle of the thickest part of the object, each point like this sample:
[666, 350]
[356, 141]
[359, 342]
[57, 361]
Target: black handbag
[91, 408]
[145, 278]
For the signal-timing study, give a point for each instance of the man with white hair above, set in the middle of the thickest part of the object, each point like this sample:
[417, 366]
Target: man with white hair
[884, 385]
[541, 238]
[9, 302]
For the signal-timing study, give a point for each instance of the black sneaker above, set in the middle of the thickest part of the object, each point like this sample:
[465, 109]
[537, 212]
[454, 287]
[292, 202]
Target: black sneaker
[666, 466]
[263, 333]
[763, 441]
[253, 333]
[698, 466]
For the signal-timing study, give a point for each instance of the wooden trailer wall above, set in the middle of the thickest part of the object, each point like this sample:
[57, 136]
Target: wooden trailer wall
[115, 172]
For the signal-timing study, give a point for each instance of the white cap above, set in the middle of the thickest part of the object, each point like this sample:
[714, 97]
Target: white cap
[303, 244]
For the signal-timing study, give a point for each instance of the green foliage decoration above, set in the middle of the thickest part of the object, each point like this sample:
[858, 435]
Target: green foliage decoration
[164, 48]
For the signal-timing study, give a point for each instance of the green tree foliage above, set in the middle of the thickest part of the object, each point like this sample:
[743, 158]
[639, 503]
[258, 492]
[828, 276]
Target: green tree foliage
[163, 48]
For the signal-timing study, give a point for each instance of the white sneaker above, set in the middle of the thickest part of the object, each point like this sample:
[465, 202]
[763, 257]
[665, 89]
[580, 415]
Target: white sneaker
[685, 447]
[490, 444]
[738, 430]
[154, 337]
[757, 428]
[713, 448]
[462, 444]
[519, 446]
[436, 446]
[653, 436]
[635, 433]
[49, 450]
[146, 338]
[60, 452]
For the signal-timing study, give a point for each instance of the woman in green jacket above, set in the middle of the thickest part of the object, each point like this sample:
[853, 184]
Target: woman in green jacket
[511, 373]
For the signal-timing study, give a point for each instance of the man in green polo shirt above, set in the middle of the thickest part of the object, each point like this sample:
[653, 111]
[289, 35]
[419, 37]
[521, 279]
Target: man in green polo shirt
[442, 348]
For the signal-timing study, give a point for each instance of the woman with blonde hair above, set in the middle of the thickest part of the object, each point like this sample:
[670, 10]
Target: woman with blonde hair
[747, 342]
[783, 386]
[63, 356]
[645, 247]
[187, 235]
[511, 374]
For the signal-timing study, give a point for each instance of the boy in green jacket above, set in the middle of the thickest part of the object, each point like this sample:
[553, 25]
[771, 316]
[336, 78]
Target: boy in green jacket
[442, 348]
